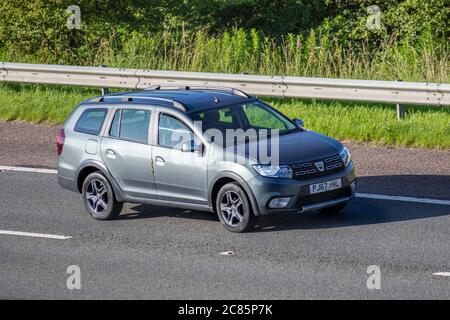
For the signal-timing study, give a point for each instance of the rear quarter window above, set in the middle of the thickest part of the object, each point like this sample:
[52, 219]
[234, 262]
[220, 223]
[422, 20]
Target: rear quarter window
[91, 121]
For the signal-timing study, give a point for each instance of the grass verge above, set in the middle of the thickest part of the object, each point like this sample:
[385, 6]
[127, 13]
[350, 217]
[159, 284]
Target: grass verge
[423, 127]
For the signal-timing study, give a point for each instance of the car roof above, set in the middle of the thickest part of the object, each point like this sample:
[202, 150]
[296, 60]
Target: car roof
[186, 99]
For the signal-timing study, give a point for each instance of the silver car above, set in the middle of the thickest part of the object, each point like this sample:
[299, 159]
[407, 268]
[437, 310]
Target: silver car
[210, 149]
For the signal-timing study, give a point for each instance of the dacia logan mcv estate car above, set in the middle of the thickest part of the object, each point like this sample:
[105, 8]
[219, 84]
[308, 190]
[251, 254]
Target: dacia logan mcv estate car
[173, 147]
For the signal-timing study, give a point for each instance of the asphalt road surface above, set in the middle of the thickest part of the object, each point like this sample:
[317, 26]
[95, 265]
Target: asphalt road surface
[164, 253]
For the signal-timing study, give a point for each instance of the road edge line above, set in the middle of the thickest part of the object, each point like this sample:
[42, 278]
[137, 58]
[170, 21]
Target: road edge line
[403, 199]
[34, 235]
[27, 169]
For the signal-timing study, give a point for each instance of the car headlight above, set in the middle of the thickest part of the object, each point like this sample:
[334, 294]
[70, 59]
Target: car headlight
[345, 156]
[273, 171]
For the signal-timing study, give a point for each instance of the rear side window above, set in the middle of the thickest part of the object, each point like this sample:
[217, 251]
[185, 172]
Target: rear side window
[131, 124]
[91, 121]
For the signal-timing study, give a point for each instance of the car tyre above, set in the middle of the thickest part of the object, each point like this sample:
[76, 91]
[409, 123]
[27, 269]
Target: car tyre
[233, 208]
[99, 199]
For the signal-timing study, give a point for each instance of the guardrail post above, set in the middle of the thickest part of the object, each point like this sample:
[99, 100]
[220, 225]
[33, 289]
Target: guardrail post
[104, 90]
[400, 110]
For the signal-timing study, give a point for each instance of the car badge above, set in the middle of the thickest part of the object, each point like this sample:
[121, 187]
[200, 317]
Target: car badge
[319, 165]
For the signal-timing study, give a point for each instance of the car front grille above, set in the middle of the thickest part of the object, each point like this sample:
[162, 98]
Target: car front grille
[324, 196]
[312, 169]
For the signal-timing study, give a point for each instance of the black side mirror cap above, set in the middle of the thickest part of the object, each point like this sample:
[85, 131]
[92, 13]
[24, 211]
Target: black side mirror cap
[299, 123]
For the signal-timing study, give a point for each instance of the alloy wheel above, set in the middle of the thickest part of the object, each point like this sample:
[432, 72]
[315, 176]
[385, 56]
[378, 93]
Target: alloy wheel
[231, 208]
[97, 196]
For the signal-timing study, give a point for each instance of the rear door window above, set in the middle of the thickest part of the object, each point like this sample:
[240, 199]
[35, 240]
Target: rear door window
[91, 121]
[131, 124]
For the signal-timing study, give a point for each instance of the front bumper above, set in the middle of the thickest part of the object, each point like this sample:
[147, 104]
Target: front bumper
[266, 189]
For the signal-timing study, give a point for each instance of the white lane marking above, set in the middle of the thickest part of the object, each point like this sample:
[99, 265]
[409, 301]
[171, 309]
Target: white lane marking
[443, 274]
[26, 169]
[227, 253]
[35, 235]
[403, 199]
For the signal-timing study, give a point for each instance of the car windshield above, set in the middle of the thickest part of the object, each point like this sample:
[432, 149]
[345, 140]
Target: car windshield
[251, 115]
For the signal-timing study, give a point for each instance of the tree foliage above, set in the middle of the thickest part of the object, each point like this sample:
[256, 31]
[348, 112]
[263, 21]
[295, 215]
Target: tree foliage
[38, 27]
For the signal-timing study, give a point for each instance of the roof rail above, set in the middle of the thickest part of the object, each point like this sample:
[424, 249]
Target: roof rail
[131, 98]
[234, 91]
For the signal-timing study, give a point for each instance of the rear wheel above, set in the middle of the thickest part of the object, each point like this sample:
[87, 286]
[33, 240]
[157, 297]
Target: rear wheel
[98, 197]
[233, 208]
[334, 209]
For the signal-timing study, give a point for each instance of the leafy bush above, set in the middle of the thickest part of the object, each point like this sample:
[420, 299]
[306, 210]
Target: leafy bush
[293, 37]
[404, 20]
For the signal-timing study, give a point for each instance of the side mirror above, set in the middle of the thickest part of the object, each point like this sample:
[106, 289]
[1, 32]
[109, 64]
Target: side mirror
[299, 123]
[190, 146]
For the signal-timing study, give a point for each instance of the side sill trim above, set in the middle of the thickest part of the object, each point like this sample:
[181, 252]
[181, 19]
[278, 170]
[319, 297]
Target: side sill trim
[166, 203]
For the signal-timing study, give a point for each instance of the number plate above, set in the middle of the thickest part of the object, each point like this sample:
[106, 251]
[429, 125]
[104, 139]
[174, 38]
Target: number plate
[325, 186]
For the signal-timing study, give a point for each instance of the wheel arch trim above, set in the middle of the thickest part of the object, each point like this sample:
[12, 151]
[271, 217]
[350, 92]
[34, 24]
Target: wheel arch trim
[104, 170]
[242, 183]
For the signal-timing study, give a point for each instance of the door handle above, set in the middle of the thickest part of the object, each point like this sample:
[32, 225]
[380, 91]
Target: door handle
[159, 161]
[110, 154]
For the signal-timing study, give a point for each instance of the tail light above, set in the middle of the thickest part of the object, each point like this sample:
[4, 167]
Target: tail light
[60, 141]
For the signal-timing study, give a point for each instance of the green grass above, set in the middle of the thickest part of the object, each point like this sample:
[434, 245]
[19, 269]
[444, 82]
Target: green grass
[38, 103]
[374, 123]
[240, 51]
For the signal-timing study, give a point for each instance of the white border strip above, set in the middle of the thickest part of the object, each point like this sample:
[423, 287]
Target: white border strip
[403, 199]
[443, 274]
[35, 235]
[26, 169]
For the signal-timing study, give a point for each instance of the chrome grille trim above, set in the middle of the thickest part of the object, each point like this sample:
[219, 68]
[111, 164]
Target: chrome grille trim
[307, 169]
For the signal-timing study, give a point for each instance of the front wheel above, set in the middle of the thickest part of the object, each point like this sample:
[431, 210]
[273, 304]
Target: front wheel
[98, 197]
[233, 208]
